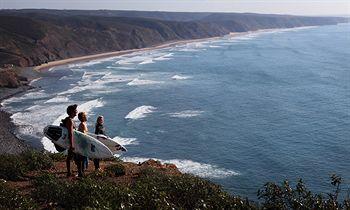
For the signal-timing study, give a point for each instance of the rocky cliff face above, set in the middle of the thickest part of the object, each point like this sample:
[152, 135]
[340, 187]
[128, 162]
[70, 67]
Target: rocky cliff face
[33, 37]
[10, 79]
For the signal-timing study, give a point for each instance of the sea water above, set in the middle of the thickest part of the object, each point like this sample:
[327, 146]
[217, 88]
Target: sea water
[238, 110]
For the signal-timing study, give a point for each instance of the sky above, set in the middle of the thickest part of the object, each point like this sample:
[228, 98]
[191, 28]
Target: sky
[295, 7]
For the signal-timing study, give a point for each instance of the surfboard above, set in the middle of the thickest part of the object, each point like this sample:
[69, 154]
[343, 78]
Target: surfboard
[85, 144]
[110, 143]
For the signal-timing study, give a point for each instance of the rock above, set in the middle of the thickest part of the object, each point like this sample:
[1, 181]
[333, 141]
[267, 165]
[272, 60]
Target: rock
[9, 79]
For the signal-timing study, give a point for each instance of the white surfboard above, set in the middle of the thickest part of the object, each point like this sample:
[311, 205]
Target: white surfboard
[110, 143]
[83, 144]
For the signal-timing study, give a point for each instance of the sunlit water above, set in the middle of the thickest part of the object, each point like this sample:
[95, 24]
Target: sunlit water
[240, 111]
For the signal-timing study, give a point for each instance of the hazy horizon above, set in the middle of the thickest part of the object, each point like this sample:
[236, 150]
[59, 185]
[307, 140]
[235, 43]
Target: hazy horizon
[288, 7]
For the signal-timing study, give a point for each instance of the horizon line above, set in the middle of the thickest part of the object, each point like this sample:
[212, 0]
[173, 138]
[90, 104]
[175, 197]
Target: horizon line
[227, 12]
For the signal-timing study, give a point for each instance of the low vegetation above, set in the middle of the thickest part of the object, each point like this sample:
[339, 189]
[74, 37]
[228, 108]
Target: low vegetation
[15, 167]
[150, 189]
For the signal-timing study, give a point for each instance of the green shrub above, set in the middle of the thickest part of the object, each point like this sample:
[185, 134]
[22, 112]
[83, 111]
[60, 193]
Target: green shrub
[47, 188]
[83, 193]
[11, 199]
[57, 156]
[35, 160]
[12, 167]
[286, 197]
[157, 190]
[117, 169]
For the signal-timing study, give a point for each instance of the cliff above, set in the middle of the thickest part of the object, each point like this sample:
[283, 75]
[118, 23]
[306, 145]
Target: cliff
[34, 37]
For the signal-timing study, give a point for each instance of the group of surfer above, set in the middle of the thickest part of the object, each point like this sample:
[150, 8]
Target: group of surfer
[80, 161]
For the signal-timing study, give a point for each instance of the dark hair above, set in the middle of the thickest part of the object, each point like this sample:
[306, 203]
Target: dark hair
[71, 108]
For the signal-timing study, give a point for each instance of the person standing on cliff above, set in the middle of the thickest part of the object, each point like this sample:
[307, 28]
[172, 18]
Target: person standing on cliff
[99, 129]
[70, 125]
[82, 116]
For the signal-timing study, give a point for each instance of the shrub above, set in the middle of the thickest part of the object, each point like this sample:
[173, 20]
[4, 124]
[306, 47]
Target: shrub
[156, 190]
[117, 169]
[12, 167]
[83, 193]
[48, 188]
[35, 160]
[11, 199]
[57, 156]
[286, 197]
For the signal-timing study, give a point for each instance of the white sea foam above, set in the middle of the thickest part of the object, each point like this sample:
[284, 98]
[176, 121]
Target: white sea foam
[140, 112]
[188, 166]
[85, 64]
[186, 114]
[214, 46]
[57, 99]
[148, 61]
[64, 78]
[188, 50]
[125, 141]
[34, 80]
[89, 82]
[178, 77]
[164, 57]
[34, 94]
[137, 82]
[88, 106]
[92, 62]
[120, 67]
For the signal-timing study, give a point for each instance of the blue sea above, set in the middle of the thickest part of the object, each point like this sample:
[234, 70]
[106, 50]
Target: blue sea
[239, 110]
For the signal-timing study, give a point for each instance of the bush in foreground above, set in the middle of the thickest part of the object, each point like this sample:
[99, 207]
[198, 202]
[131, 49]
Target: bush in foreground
[286, 197]
[152, 190]
[14, 167]
[12, 199]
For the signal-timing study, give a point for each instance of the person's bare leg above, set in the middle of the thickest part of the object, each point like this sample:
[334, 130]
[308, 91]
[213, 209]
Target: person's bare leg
[68, 160]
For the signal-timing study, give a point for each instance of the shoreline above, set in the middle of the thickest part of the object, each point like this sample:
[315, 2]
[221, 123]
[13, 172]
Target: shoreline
[87, 58]
[9, 142]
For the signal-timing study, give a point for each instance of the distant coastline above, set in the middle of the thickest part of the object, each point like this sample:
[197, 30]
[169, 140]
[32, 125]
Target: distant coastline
[86, 58]
[98, 56]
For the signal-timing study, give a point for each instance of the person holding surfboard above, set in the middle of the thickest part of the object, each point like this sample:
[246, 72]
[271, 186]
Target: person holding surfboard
[82, 116]
[70, 125]
[99, 129]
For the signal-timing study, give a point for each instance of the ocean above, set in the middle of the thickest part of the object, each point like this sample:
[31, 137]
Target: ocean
[238, 110]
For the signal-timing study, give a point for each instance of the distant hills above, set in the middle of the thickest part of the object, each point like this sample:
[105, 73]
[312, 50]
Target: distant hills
[31, 37]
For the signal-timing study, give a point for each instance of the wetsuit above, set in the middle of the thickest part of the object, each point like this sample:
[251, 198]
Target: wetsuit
[99, 129]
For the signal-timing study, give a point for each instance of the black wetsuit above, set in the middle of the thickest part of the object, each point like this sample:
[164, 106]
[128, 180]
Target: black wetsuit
[99, 129]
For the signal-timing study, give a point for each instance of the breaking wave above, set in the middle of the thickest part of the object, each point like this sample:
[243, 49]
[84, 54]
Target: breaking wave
[140, 112]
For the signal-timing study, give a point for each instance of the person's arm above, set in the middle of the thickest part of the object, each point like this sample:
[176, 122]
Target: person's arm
[85, 128]
[96, 131]
[70, 134]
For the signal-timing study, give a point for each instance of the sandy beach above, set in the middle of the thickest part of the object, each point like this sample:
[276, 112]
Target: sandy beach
[52, 64]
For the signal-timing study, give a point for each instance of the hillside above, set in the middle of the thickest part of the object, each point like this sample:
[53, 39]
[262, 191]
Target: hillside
[33, 37]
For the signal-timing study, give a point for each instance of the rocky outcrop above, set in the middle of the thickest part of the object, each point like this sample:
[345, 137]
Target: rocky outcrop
[10, 79]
